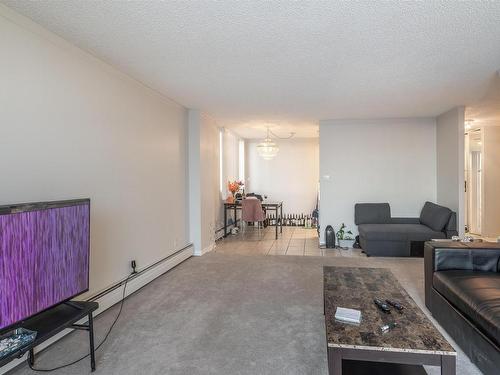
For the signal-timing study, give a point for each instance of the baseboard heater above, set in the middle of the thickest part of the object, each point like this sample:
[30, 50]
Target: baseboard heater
[229, 227]
[138, 274]
[113, 294]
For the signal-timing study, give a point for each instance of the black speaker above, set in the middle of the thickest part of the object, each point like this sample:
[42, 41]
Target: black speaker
[356, 244]
[329, 237]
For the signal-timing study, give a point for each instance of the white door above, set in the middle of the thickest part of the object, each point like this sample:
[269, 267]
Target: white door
[474, 192]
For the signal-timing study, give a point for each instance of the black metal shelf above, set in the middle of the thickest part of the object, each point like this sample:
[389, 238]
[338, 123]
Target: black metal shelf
[49, 323]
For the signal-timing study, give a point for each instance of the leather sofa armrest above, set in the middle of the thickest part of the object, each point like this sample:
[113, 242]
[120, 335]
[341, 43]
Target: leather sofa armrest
[428, 272]
[405, 220]
[442, 256]
[430, 248]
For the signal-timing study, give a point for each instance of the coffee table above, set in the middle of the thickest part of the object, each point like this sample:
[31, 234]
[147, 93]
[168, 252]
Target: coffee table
[415, 340]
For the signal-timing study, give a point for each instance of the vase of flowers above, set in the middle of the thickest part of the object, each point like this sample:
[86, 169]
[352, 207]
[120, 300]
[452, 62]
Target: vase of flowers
[233, 187]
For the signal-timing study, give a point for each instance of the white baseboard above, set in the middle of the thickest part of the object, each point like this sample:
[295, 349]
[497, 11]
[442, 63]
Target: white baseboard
[205, 250]
[114, 296]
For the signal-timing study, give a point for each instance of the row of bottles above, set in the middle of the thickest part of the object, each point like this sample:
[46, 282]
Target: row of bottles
[293, 220]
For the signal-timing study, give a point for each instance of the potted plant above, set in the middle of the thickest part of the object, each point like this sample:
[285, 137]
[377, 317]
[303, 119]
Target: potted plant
[345, 237]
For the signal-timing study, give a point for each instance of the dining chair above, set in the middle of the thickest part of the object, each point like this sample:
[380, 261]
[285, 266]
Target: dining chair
[251, 211]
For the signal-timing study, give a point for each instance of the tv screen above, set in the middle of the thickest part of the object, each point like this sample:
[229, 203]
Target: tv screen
[44, 257]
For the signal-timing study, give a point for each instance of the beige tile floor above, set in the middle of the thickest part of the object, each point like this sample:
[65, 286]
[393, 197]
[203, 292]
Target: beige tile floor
[296, 241]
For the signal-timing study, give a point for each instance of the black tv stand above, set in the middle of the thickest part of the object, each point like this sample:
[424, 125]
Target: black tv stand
[49, 323]
[74, 305]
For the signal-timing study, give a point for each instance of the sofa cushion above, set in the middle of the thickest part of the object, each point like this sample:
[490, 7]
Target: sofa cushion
[398, 232]
[372, 213]
[476, 295]
[434, 216]
[477, 259]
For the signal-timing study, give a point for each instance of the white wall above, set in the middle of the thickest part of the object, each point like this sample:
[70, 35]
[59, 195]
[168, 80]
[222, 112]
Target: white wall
[194, 172]
[491, 181]
[211, 202]
[292, 176]
[230, 159]
[450, 162]
[386, 160]
[72, 126]
[205, 202]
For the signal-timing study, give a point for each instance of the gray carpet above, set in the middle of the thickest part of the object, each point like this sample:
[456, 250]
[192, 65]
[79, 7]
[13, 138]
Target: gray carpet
[226, 314]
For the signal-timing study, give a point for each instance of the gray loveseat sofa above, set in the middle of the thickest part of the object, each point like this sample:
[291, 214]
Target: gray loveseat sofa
[382, 235]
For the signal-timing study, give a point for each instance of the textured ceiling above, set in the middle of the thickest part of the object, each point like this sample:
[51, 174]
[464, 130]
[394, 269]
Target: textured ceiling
[284, 62]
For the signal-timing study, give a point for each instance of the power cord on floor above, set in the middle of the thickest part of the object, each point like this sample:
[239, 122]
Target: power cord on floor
[98, 346]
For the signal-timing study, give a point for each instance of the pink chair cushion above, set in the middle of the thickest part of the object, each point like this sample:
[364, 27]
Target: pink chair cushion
[251, 210]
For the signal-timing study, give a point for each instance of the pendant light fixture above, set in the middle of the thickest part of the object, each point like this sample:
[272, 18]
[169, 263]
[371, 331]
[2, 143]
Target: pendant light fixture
[268, 149]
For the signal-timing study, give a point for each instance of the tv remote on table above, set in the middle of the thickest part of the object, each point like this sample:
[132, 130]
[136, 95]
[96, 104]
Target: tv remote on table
[382, 306]
[395, 304]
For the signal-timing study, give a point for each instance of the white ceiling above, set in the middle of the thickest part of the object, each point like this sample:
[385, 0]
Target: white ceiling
[291, 63]
[284, 128]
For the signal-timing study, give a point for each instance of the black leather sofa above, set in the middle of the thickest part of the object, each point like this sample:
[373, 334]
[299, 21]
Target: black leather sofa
[383, 235]
[462, 291]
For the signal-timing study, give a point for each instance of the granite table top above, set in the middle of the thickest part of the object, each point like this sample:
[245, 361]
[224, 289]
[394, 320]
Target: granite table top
[356, 288]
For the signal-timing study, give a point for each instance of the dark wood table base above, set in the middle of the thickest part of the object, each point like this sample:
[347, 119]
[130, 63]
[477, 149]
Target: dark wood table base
[379, 368]
[336, 356]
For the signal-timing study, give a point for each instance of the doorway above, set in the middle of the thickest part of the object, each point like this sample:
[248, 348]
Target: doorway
[473, 180]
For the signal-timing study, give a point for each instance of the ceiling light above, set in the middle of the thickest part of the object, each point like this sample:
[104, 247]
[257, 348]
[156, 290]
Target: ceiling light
[468, 124]
[268, 149]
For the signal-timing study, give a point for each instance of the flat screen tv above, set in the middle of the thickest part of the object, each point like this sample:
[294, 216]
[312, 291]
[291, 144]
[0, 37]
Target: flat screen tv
[44, 257]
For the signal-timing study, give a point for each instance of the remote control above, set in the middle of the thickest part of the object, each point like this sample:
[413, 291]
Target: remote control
[395, 304]
[387, 327]
[382, 306]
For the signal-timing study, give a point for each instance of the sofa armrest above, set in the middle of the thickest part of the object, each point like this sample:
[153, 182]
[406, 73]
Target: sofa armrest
[405, 220]
[442, 256]
[429, 253]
